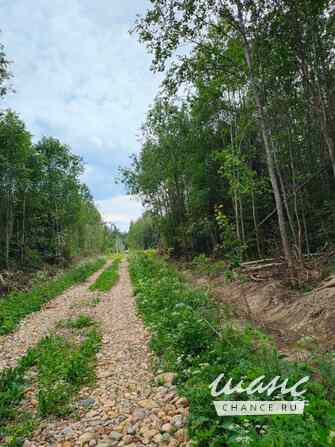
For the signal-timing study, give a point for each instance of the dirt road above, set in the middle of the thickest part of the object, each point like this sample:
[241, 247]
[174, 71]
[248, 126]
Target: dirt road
[126, 405]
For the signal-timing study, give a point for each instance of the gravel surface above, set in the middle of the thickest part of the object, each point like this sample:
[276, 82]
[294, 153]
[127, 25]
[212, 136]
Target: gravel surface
[126, 406]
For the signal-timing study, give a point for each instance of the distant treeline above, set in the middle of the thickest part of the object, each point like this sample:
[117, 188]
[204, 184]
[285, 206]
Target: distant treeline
[238, 153]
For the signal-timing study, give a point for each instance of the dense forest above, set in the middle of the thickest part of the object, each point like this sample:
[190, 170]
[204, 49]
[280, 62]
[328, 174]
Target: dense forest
[238, 153]
[46, 213]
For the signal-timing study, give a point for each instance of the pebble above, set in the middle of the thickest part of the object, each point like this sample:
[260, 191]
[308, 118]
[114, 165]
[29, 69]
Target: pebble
[166, 428]
[116, 436]
[86, 438]
[165, 437]
[68, 433]
[182, 402]
[148, 435]
[167, 378]
[131, 430]
[87, 403]
[178, 421]
[139, 414]
[181, 436]
[148, 404]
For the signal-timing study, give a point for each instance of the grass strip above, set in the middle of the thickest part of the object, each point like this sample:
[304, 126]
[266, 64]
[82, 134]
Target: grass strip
[81, 322]
[61, 366]
[191, 339]
[16, 306]
[108, 278]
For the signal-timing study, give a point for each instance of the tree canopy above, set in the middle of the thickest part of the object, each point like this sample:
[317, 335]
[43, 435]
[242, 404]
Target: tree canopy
[240, 143]
[46, 213]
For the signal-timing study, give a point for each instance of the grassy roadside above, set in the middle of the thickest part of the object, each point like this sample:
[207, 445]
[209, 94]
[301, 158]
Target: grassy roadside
[46, 380]
[16, 306]
[109, 277]
[191, 338]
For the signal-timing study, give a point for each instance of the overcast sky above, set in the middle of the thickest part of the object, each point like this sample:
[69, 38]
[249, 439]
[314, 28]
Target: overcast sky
[79, 76]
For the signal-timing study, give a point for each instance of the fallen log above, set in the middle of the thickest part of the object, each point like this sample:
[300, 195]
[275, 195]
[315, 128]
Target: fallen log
[258, 261]
[261, 267]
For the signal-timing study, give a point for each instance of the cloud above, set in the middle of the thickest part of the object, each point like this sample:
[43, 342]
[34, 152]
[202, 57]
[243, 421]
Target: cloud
[103, 180]
[121, 210]
[79, 76]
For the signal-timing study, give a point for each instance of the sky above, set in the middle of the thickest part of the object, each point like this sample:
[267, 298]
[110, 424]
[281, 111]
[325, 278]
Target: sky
[79, 76]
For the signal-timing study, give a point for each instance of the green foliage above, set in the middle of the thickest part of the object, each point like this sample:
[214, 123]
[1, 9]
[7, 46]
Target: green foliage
[188, 336]
[20, 429]
[116, 240]
[169, 174]
[46, 214]
[81, 322]
[230, 247]
[62, 365]
[236, 171]
[62, 368]
[143, 234]
[4, 71]
[109, 277]
[255, 124]
[204, 264]
[17, 305]
[11, 391]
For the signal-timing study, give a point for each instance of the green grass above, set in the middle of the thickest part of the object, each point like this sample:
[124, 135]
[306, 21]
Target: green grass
[16, 306]
[62, 369]
[94, 302]
[62, 366]
[108, 278]
[83, 321]
[190, 338]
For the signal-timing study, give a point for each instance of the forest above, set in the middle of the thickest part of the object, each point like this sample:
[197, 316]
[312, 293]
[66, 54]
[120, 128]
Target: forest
[238, 149]
[47, 215]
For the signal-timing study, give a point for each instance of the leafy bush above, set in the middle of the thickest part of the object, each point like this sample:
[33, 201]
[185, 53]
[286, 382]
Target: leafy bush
[16, 306]
[189, 338]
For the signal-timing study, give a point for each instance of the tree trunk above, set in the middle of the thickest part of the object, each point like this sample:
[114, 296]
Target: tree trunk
[23, 227]
[255, 224]
[237, 220]
[7, 232]
[285, 202]
[242, 220]
[266, 136]
[326, 134]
